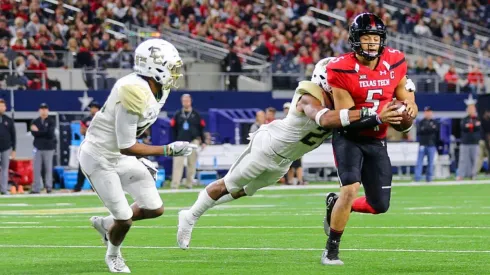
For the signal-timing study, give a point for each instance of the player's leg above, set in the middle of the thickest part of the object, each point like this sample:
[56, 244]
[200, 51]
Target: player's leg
[251, 164]
[348, 157]
[376, 179]
[106, 183]
[139, 183]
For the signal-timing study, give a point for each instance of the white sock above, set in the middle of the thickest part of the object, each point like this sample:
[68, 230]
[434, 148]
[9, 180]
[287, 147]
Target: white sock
[203, 203]
[113, 250]
[226, 198]
[107, 222]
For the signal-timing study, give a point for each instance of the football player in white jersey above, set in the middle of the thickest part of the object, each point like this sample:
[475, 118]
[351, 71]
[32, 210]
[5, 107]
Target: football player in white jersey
[276, 145]
[108, 155]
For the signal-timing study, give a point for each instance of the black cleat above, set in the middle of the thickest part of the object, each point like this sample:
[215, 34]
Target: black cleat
[330, 201]
[331, 254]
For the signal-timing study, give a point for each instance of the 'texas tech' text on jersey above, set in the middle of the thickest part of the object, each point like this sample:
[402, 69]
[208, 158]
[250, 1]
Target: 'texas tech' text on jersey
[369, 88]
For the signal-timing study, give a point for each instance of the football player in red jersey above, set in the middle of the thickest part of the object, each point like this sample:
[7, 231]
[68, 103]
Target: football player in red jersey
[370, 76]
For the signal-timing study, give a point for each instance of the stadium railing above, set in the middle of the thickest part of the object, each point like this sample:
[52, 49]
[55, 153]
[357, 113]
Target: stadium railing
[91, 79]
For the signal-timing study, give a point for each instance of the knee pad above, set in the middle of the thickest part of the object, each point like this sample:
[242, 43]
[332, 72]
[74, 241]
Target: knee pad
[124, 214]
[348, 178]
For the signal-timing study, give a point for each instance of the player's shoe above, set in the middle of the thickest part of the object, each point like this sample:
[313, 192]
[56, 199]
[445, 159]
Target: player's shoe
[330, 201]
[331, 255]
[184, 232]
[97, 224]
[116, 264]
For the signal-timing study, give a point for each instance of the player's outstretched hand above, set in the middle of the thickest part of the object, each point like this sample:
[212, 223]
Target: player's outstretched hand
[389, 114]
[412, 108]
[181, 148]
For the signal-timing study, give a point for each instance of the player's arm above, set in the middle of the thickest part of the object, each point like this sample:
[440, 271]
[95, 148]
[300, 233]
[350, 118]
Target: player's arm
[126, 126]
[324, 117]
[133, 103]
[368, 118]
[408, 97]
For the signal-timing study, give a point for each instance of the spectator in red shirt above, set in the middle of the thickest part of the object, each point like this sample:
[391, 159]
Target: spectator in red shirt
[451, 79]
[475, 80]
[38, 77]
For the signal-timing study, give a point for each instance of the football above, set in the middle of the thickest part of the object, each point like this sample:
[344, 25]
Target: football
[407, 120]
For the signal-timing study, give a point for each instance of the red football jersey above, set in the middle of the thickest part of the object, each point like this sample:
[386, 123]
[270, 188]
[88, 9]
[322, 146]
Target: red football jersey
[369, 88]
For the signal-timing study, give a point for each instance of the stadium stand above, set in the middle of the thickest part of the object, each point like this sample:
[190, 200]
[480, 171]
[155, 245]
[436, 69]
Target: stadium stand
[291, 35]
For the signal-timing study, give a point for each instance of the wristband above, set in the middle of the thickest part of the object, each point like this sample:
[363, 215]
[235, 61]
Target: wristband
[165, 154]
[344, 117]
[319, 115]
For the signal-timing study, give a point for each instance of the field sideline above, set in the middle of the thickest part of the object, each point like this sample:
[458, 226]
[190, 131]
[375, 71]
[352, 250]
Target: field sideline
[437, 228]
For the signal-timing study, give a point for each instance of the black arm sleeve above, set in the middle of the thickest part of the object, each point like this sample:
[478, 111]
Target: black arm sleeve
[363, 123]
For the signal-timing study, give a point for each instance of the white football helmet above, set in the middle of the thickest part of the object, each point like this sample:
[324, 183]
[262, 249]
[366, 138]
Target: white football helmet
[319, 76]
[160, 60]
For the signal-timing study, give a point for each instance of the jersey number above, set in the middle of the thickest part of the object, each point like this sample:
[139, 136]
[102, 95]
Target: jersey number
[370, 98]
[312, 135]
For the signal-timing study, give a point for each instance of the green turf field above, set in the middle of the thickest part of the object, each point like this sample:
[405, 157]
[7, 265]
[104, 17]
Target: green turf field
[428, 230]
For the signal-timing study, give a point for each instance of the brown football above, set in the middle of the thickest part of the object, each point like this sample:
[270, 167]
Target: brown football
[406, 121]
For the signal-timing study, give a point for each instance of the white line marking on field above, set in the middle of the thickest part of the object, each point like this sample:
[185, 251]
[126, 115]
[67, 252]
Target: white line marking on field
[278, 196]
[251, 248]
[247, 227]
[277, 187]
[61, 214]
[88, 210]
[433, 207]
[19, 222]
[443, 213]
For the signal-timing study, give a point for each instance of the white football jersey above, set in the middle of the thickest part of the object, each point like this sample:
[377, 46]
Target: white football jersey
[134, 93]
[297, 134]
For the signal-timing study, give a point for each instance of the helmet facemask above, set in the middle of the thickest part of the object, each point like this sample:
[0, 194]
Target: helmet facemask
[355, 41]
[168, 74]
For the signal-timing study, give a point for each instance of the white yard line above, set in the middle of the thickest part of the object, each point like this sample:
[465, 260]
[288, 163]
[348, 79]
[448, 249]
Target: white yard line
[253, 248]
[239, 227]
[279, 187]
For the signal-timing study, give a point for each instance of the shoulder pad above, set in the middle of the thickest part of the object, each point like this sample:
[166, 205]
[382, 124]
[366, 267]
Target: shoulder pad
[133, 97]
[308, 87]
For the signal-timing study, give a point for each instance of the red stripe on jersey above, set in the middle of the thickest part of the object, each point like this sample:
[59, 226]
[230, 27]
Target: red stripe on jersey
[172, 122]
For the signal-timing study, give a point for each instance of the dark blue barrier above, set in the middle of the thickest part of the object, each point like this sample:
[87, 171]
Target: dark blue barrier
[76, 100]
[232, 125]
